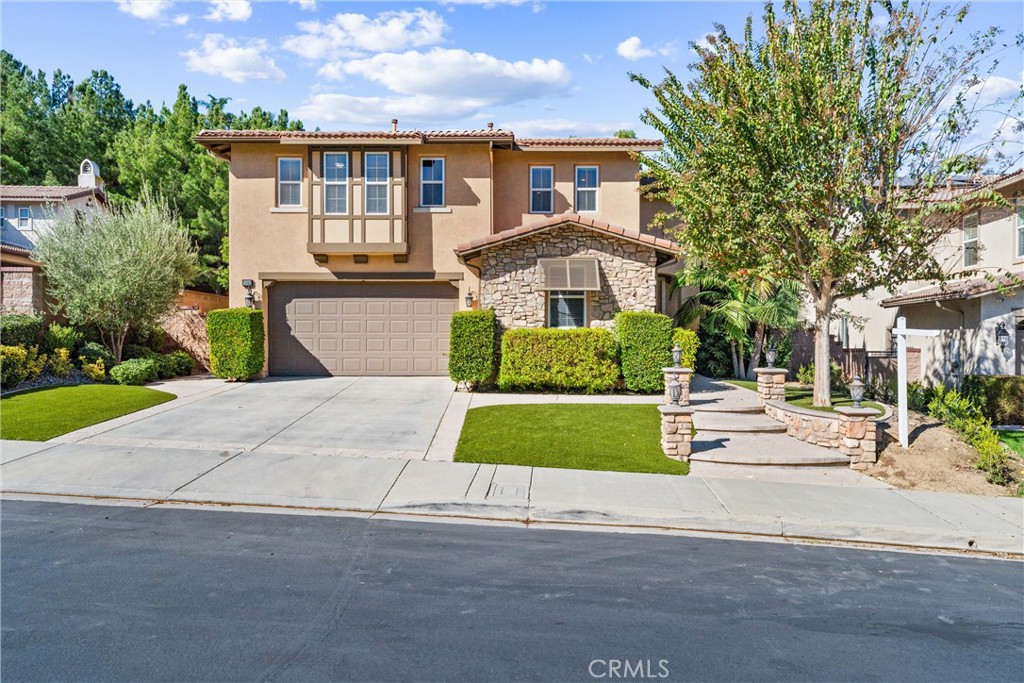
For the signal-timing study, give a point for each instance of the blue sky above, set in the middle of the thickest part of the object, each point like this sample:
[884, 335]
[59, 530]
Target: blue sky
[538, 68]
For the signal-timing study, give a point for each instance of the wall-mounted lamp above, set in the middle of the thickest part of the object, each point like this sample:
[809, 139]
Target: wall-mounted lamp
[469, 299]
[1002, 336]
[249, 285]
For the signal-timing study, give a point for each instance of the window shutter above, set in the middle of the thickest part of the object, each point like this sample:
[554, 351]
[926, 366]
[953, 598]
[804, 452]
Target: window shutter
[579, 274]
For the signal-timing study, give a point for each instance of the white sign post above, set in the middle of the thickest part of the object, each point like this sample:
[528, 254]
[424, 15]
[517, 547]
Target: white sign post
[901, 333]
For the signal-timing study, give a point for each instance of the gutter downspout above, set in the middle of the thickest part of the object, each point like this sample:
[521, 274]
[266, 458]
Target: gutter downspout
[959, 371]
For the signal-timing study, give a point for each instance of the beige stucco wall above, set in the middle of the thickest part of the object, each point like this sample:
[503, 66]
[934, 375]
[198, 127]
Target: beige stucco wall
[511, 276]
[618, 199]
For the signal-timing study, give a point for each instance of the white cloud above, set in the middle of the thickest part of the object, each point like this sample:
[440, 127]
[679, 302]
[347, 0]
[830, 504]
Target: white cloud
[180, 20]
[229, 10]
[223, 56]
[632, 49]
[439, 85]
[144, 9]
[563, 128]
[307, 5]
[535, 5]
[591, 59]
[704, 42]
[994, 88]
[348, 35]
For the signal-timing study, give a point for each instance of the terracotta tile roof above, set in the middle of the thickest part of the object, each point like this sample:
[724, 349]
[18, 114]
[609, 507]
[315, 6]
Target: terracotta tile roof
[625, 143]
[964, 188]
[955, 289]
[41, 193]
[475, 246]
[227, 136]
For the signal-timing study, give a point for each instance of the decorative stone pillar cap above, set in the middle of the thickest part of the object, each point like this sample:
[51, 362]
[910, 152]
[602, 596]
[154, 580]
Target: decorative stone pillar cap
[672, 409]
[771, 371]
[856, 412]
[678, 371]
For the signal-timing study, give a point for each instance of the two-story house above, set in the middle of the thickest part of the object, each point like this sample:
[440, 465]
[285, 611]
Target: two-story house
[360, 245]
[981, 323]
[26, 212]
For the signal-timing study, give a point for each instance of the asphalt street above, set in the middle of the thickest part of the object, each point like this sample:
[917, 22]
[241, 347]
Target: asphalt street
[127, 594]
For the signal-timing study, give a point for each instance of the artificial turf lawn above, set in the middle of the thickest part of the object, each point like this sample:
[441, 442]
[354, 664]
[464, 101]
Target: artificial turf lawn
[579, 436]
[804, 398]
[1015, 440]
[44, 413]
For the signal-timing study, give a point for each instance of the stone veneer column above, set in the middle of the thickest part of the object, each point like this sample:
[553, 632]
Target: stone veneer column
[683, 375]
[771, 384]
[858, 436]
[676, 431]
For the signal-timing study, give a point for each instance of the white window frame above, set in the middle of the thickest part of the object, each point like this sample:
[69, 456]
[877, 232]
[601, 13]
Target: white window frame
[424, 183]
[567, 294]
[597, 185]
[549, 190]
[377, 183]
[975, 243]
[281, 183]
[337, 183]
[24, 218]
[1019, 206]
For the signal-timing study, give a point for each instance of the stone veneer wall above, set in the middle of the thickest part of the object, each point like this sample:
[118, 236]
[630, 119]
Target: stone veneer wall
[814, 427]
[853, 431]
[21, 290]
[510, 275]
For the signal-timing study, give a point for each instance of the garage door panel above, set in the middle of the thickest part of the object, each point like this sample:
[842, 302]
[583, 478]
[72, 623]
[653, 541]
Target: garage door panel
[360, 328]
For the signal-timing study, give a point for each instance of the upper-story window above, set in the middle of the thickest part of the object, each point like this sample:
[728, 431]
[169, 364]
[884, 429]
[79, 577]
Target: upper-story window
[24, 218]
[1020, 228]
[336, 182]
[542, 189]
[432, 182]
[377, 176]
[586, 189]
[289, 181]
[970, 237]
[3, 215]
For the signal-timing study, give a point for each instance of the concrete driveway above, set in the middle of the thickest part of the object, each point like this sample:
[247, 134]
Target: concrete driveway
[392, 417]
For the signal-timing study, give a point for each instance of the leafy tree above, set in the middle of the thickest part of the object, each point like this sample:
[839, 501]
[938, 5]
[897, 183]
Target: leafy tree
[625, 133]
[784, 155]
[117, 270]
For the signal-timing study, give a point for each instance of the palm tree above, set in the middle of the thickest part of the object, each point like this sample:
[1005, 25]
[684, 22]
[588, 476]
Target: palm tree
[733, 305]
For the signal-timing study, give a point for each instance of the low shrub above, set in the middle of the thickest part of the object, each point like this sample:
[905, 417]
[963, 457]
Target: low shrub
[689, 342]
[12, 366]
[130, 351]
[60, 363]
[1000, 397]
[964, 416]
[34, 363]
[236, 342]
[472, 349]
[134, 371]
[836, 381]
[93, 351]
[166, 366]
[20, 329]
[61, 337]
[645, 343]
[918, 396]
[561, 360]
[184, 364]
[150, 336]
[96, 370]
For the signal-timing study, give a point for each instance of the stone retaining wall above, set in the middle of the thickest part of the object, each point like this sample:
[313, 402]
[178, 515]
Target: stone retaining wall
[852, 431]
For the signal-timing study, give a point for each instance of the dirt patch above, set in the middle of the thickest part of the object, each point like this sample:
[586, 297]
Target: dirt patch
[937, 460]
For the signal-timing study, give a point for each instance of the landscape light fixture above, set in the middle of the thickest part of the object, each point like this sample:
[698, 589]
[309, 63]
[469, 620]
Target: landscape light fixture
[770, 355]
[677, 355]
[1002, 336]
[675, 390]
[249, 285]
[856, 391]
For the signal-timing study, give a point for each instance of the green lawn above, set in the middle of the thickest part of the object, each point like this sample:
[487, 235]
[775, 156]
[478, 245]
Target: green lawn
[1015, 440]
[44, 413]
[580, 436]
[803, 397]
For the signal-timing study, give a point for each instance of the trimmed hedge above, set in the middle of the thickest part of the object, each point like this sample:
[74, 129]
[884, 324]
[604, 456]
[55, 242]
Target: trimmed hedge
[583, 359]
[689, 342]
[236, 342]
[472, 347]
[645, 343]
[13, 369]
[20, 329]
[1001, 397]
[135, 371]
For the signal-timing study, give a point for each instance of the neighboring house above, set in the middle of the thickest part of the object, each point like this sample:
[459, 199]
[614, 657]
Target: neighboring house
[970, 310]
[24, 217]
[360, 245]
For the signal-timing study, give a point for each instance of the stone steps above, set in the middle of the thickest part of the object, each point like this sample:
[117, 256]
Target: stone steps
[752, 409]
[763, 450]
[743, 423]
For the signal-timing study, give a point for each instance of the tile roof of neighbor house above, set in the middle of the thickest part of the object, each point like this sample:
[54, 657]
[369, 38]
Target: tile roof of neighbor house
[965, 187]
[474, 246]
[44, 193]
[955, 289]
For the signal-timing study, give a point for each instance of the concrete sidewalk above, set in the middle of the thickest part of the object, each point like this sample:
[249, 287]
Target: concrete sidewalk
[317, 484]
